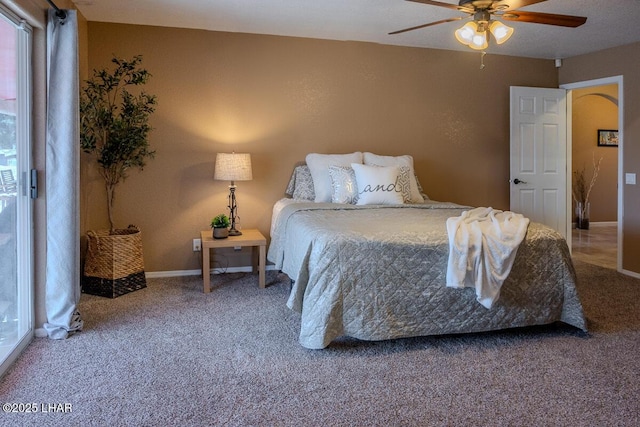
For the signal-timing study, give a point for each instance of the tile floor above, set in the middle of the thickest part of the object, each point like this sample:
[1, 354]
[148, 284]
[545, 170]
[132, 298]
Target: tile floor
[598, 245]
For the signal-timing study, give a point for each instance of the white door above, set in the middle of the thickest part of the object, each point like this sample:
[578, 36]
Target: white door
[539, 156]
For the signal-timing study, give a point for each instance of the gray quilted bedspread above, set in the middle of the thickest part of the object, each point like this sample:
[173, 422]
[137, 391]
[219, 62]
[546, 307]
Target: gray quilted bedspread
[378, 272]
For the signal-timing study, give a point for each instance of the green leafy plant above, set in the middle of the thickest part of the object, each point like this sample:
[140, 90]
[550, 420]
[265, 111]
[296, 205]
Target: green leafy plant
[220, 221]
[114, 122]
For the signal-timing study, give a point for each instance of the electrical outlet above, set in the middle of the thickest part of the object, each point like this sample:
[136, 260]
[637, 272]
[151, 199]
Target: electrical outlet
[197, 245]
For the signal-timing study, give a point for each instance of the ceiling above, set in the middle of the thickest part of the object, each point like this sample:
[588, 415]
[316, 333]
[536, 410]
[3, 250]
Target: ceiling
[609, 22]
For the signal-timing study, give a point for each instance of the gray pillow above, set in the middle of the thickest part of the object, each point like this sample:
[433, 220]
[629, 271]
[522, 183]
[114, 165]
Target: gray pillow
[300, 185]
[343, 185]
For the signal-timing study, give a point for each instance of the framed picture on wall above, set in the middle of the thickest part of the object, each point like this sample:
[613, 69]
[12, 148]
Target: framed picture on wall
[607, 138]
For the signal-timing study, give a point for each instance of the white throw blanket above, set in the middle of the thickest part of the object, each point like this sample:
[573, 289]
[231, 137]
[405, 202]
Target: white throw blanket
[482, 247]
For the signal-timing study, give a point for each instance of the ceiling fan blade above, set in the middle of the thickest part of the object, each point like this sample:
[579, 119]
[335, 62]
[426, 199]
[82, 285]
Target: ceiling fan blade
[544, 18]
[515, 4]
[437, 3]
[417, 27]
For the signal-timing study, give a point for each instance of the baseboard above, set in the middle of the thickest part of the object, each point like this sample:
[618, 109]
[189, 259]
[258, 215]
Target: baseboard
[598, 224]
[177, 273]
[631, 273]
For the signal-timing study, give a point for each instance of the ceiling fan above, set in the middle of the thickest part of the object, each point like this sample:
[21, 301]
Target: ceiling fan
[476, 33]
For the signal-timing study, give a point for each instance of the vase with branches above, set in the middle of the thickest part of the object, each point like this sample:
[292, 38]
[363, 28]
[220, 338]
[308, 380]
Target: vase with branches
[114, 122]
[581, 191]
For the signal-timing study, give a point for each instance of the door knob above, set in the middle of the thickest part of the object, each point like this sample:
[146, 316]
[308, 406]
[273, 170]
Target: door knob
[517, 181]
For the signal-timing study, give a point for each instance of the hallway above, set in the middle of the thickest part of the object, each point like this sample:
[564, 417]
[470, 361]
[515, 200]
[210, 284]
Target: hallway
[598, 245]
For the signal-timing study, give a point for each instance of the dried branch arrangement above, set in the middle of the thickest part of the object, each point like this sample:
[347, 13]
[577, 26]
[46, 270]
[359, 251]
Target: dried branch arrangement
[580, 190]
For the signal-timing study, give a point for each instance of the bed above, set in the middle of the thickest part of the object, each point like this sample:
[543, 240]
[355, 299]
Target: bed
[377, 272]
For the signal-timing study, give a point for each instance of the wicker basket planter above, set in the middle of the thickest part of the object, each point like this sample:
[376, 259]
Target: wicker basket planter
[114, 264]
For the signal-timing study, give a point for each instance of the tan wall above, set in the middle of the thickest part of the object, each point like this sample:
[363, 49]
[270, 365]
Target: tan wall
[621, 61]
[280, 98]
[596, 108]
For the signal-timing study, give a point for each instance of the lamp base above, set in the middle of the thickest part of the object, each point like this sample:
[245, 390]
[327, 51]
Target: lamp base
[234, 232]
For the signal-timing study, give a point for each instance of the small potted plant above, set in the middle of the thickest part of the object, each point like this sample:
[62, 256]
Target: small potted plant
[220, 224]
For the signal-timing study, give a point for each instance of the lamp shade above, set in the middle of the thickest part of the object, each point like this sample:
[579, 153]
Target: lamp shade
[465, 34]
[479, 41]
[233, 167]
[501, 32]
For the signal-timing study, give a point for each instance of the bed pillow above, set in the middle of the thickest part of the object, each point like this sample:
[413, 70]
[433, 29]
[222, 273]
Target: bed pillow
[406, 160]
[343, 185]
[404, 183]
[301, 184]
[378, 185]
[319, 167]
[291, 185]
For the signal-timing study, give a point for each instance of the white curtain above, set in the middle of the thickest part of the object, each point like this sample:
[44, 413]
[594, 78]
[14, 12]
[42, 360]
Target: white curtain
[62, 177]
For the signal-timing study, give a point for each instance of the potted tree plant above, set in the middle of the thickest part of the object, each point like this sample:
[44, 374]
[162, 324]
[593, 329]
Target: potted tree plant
[114, 129]
[220, 224]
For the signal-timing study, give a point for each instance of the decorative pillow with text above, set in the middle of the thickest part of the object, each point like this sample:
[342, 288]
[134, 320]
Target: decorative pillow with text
[406, 160]
[378, 185]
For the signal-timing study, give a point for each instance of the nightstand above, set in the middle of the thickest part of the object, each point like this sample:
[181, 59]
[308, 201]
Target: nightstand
[251, 237]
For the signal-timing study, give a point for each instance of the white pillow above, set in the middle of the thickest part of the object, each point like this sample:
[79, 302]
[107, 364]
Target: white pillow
[378, 185]
[319, 167]
[343, 184]
[374, 159]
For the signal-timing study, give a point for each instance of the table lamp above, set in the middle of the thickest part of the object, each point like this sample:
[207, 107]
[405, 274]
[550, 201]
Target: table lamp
[233, 167]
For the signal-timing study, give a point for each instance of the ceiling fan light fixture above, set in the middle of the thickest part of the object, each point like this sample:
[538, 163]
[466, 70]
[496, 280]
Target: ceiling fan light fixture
[478, 33]
[501, 32]
[466, 33]
[471, 34]
[479, 41]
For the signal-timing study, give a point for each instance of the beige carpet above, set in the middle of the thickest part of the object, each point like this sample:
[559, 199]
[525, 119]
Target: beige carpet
[171, 355]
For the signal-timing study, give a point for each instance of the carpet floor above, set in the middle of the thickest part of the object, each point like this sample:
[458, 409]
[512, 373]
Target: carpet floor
[170, 355]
